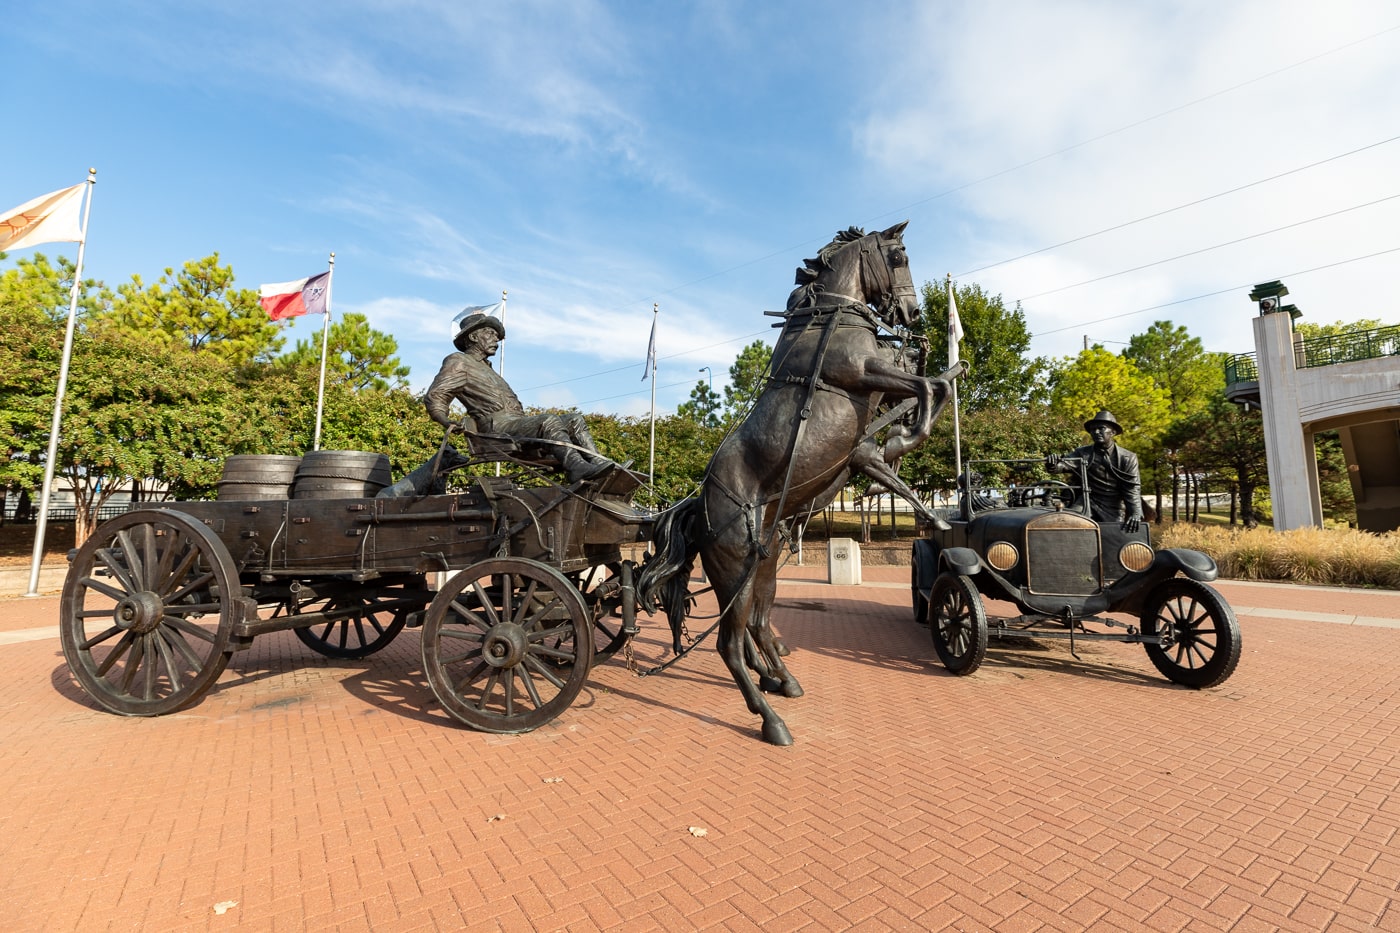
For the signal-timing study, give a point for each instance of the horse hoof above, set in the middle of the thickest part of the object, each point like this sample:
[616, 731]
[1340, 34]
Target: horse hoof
[792, 689]
[775, 732]
[780, 647]
[770, 684]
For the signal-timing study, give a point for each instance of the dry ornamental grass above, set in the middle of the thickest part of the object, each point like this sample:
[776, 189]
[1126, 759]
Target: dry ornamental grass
[1306, 555]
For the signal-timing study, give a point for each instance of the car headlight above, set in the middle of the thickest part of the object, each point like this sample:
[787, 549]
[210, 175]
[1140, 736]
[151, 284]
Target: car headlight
[1002, 556]
[1135, 556]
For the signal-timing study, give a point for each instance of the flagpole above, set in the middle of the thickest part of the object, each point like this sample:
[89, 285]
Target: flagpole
[501, 353]
[651, 458]
[42, 526]
[325, 340]
[952, 361]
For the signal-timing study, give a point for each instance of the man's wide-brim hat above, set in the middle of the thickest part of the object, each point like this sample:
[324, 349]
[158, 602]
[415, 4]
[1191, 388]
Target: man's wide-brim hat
[1104, 417]
[471, 322]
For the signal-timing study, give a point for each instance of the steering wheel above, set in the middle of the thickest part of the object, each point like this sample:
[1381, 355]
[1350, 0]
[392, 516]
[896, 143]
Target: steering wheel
[1051, 491]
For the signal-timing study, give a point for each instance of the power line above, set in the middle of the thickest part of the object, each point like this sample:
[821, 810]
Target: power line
[1135, 124]
[1179, 207]
[1223, 291]
[618, 369]
[1207, 249]
[609, 398]
[1014, 168]
[1047, 156]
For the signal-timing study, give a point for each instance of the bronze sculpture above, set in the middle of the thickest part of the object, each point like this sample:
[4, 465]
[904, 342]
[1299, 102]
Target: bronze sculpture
[494, 409]
[794, 451]
[1115, 489]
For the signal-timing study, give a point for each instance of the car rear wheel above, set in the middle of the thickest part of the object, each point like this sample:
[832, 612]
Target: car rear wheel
[958, 623]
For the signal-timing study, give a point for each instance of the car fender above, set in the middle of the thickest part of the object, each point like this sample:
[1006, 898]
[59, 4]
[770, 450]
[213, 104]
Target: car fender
[1193, 564]
[963, 560]
[925, 559]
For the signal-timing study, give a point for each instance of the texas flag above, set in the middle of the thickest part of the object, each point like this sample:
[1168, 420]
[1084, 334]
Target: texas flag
[282, 300]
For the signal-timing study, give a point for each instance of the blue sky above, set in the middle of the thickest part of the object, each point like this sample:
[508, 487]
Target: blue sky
[593, 158]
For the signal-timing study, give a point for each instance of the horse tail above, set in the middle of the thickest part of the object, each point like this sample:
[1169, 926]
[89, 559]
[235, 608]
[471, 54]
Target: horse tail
[665, 572]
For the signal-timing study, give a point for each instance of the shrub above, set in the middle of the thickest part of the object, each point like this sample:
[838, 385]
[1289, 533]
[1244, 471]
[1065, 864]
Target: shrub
[1304, 555]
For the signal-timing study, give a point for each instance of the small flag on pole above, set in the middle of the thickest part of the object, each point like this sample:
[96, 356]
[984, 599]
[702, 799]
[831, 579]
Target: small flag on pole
[493, 310]
[282, 300]
[52, 218]
[955, 328]
[651, 352]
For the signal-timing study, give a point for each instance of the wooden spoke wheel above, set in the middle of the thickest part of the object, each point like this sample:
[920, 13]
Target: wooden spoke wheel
[148, 608]
[958, 623]
[507, 645]
[1205, 636]
[357, 625]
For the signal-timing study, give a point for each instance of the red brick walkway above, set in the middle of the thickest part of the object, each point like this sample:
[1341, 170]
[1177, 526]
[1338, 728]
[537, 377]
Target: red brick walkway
[1039, 793]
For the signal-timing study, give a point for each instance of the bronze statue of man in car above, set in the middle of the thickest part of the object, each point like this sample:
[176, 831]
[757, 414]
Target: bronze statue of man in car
[1115, 486]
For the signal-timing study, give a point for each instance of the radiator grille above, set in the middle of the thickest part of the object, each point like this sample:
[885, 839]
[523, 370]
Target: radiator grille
[1062, 557]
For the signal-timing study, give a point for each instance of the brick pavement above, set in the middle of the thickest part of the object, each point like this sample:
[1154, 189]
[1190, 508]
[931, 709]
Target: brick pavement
[1039, 793]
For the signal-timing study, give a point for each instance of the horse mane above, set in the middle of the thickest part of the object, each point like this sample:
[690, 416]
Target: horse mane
[811, 269]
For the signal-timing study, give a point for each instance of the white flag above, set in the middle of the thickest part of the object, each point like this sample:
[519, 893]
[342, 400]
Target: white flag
[651, 352]
[955, 328]
[52, 218]
[493, 310]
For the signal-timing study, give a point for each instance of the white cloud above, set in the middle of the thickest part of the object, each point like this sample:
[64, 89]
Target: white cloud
[1015, 81]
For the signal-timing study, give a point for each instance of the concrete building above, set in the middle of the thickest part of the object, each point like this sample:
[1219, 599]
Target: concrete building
[1350, 384]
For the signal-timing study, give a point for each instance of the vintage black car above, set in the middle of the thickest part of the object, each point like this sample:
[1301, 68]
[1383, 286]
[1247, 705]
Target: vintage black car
[1019, 537]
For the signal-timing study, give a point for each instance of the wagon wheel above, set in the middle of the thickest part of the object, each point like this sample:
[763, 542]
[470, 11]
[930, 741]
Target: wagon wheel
[920, 603]
[608, 636]
[148, 608]
[359, 627]
[958, 623]
[1205, 634]
[507, 645]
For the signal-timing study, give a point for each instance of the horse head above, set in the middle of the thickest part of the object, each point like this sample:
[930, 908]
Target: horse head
[886, 279]
[874, 274]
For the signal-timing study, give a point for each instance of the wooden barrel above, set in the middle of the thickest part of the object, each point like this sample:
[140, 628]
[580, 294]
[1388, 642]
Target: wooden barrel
[340, 474]
[258, 476]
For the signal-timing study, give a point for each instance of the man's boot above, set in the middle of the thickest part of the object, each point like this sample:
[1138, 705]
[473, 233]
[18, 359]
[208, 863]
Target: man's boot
[578, 467]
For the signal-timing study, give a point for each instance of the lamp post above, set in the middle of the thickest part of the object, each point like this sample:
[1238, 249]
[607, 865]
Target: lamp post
[706, 369]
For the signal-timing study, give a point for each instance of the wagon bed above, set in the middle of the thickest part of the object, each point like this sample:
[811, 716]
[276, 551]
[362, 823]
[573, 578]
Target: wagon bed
[516, 588]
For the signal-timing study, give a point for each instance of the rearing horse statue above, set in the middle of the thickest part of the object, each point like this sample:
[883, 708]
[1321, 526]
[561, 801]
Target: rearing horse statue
[793, 452]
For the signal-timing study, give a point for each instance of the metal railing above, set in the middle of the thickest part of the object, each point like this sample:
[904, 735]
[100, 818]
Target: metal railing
[1323, 351]
[1242, 367]
[60, 513]
[1348, 348]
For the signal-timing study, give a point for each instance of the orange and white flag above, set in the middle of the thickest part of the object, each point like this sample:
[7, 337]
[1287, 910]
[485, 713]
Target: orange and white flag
[52, 218]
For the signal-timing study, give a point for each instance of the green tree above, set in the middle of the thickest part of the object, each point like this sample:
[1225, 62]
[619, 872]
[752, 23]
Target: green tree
[137, 411]
[703, 407]
[683, 450]
[1191, 377]
[34, 301]
[991, 434]
[197, 308]
[1179, 365]
[357, 355]
[1310, 331]
[1097, 379]
[746, 378]
[996, 345]
[1231, 441]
